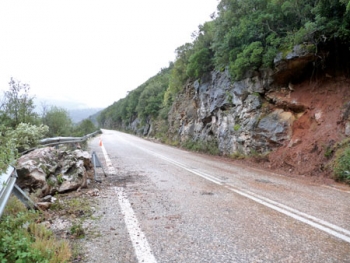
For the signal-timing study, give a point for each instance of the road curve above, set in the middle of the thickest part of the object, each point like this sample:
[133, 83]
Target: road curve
[169, 205]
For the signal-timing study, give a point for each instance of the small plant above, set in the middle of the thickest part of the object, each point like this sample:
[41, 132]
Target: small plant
[77, 230]
[210, 147]
[328, 153]
[51, 182]
[60, 179]
[236, 127]
[237, 155]
[342, 166]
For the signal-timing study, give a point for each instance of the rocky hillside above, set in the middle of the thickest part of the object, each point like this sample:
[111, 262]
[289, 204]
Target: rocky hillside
[294, 119]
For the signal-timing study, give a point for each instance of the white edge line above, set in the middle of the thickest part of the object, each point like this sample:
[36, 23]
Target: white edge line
[142, 248]
[297, 217]
[320, 221]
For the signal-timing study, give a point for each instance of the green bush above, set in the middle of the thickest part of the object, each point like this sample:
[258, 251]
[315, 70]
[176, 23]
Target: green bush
[210, 147]
[23, 240]
[342, 166]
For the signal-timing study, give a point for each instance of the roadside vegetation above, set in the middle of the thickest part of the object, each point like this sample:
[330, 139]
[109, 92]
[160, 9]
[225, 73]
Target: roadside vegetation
[21, 127]
[22, 237]
[25, 240]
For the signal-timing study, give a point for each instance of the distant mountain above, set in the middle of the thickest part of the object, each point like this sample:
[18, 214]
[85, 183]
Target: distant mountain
[78, 115]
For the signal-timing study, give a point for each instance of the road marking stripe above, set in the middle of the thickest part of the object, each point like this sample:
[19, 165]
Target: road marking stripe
[298, 215]
[110, 167]
[295, 216]
[295, 211]
[142, 248]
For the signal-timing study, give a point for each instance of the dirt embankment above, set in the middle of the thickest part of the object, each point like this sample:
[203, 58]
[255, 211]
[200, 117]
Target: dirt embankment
[317, 131]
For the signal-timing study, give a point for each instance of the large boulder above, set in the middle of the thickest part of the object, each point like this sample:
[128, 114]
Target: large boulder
[48, 170]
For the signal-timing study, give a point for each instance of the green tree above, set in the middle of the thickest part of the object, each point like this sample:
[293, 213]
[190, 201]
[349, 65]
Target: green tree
[27, 136]
[14, 141]
[17, 105]
[199, 63]
[8, 151]
[84, 127]
[58, 121]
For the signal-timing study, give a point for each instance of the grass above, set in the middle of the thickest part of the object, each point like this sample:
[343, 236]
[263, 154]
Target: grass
[210, 147]
[24, 239]
[79, 206]
[237, 156]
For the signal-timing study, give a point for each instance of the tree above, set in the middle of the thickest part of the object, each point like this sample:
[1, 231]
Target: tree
[26, 136]
[84, 127]
[17, 105]
[58, 121]
[199, 63]
[8, 150]
[13, 141]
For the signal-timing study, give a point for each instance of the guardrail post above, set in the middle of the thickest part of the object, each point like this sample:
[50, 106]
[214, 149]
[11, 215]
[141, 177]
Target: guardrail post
[97, 163]
[23, 197]
[8, 186]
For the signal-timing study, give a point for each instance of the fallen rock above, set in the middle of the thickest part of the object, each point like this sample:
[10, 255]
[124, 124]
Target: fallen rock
[47, 171]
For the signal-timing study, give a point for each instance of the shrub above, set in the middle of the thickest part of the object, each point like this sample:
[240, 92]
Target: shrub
[23, 240]
[210, 147]
[342, 166]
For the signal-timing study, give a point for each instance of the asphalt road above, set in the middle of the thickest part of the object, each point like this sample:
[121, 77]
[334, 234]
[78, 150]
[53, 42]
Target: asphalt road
[163, 204]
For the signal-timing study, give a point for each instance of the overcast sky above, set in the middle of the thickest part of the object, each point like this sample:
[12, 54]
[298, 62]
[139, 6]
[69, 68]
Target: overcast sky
[92, 51]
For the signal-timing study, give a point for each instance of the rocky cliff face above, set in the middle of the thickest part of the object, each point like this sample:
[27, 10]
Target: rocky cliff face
[254, 115]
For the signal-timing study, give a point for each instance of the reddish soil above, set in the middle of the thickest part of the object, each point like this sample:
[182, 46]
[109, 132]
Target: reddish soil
[317, 131]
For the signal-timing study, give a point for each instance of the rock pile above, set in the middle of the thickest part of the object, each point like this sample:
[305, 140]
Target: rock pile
[48, 171]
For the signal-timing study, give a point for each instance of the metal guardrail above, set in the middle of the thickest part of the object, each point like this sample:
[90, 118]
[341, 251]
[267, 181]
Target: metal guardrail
[62, 140]
[7, 182]
[8, 179]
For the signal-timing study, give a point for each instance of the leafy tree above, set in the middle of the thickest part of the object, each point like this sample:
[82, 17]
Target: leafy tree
[17, 105]
[178, 74]
[58, 121]
[199, 63]
[84, 127]
[8, 150]
[14, 141]
[26, 136]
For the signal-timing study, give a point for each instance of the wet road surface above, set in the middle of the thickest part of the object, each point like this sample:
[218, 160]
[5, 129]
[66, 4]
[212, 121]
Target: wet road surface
[163, 204]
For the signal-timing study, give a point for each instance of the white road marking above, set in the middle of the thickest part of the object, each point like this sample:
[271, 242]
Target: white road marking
[335, 189]
[110, 167]
[315, 222]
[333, 232]
[142, 249]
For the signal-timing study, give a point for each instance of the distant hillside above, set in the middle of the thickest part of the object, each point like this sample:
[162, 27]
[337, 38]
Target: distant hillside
[94, 116]
[81, 114]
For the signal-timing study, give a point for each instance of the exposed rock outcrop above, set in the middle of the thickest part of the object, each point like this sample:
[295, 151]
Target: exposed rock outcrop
[255, 114]
[48, 170]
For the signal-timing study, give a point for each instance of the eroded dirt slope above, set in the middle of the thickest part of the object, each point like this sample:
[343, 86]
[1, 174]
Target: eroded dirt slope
[318, 131]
